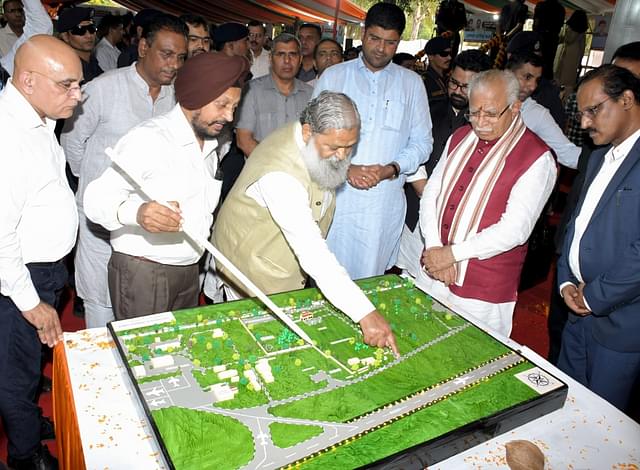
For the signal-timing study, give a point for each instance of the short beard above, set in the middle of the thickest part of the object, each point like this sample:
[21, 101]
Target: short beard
[328, 173]
[459, 102]
[201, 129]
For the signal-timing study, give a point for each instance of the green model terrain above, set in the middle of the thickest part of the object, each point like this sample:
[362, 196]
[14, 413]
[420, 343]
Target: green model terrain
[340, 382]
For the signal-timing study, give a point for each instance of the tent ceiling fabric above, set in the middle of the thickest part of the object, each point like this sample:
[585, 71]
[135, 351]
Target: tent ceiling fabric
[268, 11]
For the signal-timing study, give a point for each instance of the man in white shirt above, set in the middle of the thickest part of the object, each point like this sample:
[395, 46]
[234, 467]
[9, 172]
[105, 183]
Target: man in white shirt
[528, 69]
[481, 203]
[111, 28]
[154, 267]
[114, 103]
[13, 13]
[599, 269]
[257, 40]
[38, 224]
[273, 223]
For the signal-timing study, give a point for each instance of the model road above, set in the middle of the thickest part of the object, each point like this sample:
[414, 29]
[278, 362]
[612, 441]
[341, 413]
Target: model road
[268, 456]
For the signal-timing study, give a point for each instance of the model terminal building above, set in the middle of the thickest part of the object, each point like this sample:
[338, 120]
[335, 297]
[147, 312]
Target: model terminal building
[274, 401]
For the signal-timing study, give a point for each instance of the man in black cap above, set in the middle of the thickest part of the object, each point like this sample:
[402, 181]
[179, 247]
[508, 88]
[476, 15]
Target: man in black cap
[176, 153]
[438, 51]
[76, 28]
[232, 39]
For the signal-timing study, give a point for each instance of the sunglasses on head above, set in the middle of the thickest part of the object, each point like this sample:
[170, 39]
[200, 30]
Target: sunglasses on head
[82, 30]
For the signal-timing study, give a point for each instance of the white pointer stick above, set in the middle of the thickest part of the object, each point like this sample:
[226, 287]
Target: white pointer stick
[246, 282]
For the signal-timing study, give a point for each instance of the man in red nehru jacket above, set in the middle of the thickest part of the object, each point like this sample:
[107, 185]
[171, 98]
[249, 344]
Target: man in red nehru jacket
[481, 203]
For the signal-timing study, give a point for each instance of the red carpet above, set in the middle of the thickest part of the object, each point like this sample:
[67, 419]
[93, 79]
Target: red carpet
[529, 328]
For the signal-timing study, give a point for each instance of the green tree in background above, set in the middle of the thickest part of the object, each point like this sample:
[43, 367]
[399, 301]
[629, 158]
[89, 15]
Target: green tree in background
[420, 16]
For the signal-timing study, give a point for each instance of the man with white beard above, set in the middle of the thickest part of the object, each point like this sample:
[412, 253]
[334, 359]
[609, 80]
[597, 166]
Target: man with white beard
[273, 224]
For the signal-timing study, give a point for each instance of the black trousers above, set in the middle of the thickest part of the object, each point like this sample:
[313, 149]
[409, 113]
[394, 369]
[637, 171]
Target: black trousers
[20, 359]
[558, 314]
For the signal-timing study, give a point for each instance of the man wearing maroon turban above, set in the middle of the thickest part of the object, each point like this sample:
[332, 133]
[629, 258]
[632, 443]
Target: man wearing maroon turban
[154, 267]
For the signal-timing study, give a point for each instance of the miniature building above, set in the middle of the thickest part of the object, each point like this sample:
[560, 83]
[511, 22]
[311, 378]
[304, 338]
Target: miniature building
[217, 369]
[235, 379]
[264, 369]
[227, 374]
[223, 392]
[139, 371]
[369, 361]
[162, 361]
[251, 375]
[217, 333]
[353, 360]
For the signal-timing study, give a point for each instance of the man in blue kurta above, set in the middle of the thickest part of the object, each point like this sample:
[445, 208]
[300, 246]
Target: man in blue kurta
[395, 138]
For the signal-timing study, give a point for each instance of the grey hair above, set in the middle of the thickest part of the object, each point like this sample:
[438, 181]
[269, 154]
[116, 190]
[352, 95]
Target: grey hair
[330, 110]
[509, 81]
[285, 38]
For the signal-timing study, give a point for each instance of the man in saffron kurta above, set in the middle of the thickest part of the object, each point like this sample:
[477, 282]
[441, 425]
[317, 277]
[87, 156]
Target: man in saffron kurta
[481, 204]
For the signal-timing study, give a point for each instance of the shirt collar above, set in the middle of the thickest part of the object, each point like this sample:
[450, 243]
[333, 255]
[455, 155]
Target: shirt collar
[362, 65]
[23, 110]
[623, 149]
[142, 84]
[183, 132]
[271, 83]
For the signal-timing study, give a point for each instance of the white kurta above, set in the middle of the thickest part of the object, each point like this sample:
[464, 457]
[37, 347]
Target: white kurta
[113, 104]
[526, 201]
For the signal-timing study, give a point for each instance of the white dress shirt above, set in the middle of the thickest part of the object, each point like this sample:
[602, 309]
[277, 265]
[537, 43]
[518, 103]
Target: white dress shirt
[38, 220]
[538, 118]
[610, 165]
[107, 55]
[288, 203]
[165, 156]
[113, 104]
[37, 21]
[261, 64]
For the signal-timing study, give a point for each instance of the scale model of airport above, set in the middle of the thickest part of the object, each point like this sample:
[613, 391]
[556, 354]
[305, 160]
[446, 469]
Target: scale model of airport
[228, 386]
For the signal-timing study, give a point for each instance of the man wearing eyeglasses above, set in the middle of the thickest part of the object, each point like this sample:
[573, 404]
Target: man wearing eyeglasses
[199, 40]
[327, 53]
[38, 225]
[257, 40]
[114, 103]
[481, 204]
[464, 67]
[599, 269]
[76, 28]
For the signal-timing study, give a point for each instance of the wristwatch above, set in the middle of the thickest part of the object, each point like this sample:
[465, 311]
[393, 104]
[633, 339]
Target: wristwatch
[396, 170]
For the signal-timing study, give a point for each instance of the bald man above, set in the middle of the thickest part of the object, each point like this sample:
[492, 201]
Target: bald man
[38, 225]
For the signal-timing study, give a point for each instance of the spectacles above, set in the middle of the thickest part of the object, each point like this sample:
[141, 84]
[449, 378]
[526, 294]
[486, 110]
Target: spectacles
[589, 112]
[491, 116]
[203, 39]
[82, 30]
[66, 85]
[444, 54]
[455, 84]
[15, 11]
[333, 53]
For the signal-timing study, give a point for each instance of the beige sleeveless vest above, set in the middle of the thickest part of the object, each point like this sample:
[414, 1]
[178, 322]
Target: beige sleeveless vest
[245, 232]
